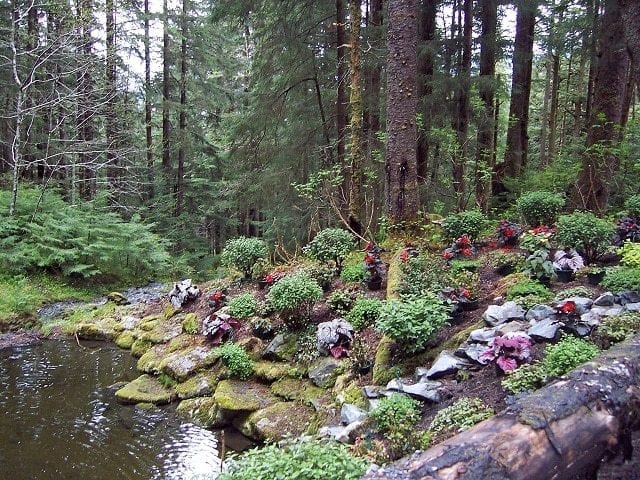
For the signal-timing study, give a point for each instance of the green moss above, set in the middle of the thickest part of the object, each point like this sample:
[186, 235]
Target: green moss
[146, 389]
[139, 347]
[125, 340]
[394, 277]
[151, 360]
[271, 371]
[295, 389]
[382, 364]
[169, 312]
[190, 324]
[161, 331]
[353, 394]
[236, 395]
[278, 421]
[105, 329]
[203, 411]
[203, 383]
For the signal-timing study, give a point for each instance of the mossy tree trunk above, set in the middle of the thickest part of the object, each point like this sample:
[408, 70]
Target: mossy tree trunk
[356, 150]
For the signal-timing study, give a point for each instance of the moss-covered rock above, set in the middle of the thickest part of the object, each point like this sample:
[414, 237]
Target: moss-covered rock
[204, 411]
[190, 324]
[125, 339]
[150, 361]
[271, 371]
[161, 331]
[181, 364]
[145, 389]
[200, 385]
[169, 312]
[235, 395]
[282, 348]
[353, 395]
[104, 329]
[140, 347]
[324, 371]
[382, 369]
[278, 421]
[253, 346]
[296, 389]
[117, 298]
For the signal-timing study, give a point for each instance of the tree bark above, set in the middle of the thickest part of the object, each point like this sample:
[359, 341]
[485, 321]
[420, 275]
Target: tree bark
[517, 137]
[400, 157]
[428, 12]
[166, 125]
[110, 107]
[147, 104]
[341, 73]
[600, 162]
[631, 23]
[559, 432]
[487, 87]
[182, 121]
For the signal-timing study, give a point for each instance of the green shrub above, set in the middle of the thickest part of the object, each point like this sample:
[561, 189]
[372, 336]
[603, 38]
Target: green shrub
[413, 322]
[190, 324]
[528, 287]
[632, 205]
[618, 279]
[579, 291]
[585, 232]
[396, 417]
[421, 275]
[353, 274]
[243, 252]
[340, 301]
[365, 312]
[463, 414]
[322, 275]
[236, 359]
[330, 244]
[540, 207]
[566, 355]
[243, 306]
[525, 378]
[499, 259]
[620, 327]
[630, 253]
[166, 381]
[293, 296]
[471, 223]
[528, 301]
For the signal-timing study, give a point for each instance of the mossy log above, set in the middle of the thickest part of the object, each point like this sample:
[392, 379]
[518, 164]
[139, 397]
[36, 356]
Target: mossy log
[561, 431]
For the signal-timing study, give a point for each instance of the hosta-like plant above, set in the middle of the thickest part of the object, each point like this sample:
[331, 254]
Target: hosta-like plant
[508, 350]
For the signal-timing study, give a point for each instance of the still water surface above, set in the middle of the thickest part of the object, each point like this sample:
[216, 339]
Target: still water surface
[59, 420]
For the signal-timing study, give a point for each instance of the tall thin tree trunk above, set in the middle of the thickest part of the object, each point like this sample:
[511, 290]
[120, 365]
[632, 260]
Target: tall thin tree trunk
[553, 110]
[631, 22]
[147, 103]
[182, 123]
[546, 100]
[593, 63]
[372, 74]
[110, 107]
[517, 137]
[166, 125]
[428, 11]
[341, 73]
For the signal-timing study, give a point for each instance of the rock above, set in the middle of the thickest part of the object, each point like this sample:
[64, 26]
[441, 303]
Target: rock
[182, 364]
[105, 330]
[371, 391]
[583, 304]
[323, 371]
[445, 364]
[117, 298]
[204, 411]
[633, 307]
[150, 361]
[351, 413]
[281, 348]
[472, 351]
[236, 395]
[161, 331]
[337, 332]
[499, 314]
[607, 299]
[125, 339]
[271, 371]
[297, 389]
[539, 312]
[200, 385]
[544, 330]
[511, 327]
[277, 421]
[423, 390]
[608, 311]
[578, 328]
[145, 389]
[253, 346]
[590, 318]
[182, 293]
[343, 434]
[628, 296]
[129, 322]
[382, 367]
[482, 335]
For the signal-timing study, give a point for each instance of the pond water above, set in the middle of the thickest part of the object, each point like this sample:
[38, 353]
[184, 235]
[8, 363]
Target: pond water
[59, 420]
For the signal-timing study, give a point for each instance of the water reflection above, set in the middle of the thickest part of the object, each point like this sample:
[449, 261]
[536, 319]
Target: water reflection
[58, 419]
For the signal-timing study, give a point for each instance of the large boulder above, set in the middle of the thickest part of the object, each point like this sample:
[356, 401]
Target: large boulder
[145, 389]
[499, 314]
[282, 348]
[324, 371]
[297, 389]
[238, 396]
[182, 364]
[204, 411]
[200, 385]
[545, 330]
[278, 421]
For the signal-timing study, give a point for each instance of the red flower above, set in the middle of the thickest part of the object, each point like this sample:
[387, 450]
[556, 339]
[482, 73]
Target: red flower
[465, 293]
[447, 255]
[404, 256]
[567, 307]
[492, 244]
[370, 246]
[464, 241]
[466, 252]
[216, 297]
[269, 278]
[508, 232]
[369, 259]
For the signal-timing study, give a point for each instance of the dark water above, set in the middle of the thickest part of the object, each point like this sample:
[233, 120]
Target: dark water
[59, 420]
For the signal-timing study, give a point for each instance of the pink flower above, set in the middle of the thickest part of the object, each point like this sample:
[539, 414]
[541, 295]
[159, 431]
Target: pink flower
[404, 256]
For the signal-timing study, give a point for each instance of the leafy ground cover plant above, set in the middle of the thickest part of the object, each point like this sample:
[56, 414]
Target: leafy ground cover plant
[293, 297]
[469, 223]
[585, 232]
[322, 274]
[578, 291]
[525, 378]
[620, 327]
[567, 354]
[528, 287]
[330, 244]
[509, 350]
[243, 306]
[341, 301]
[630, 253]
[352, 274]
[243, 252]
[302, 459]
[505, 261]
[618, 279]
[632, 205]
[462, 414]
[236, 359]
[413, 322]
[540, 207]
[365, 312]
[396, 417]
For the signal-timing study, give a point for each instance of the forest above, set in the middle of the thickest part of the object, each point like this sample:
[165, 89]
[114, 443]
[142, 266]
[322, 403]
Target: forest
[377, 199]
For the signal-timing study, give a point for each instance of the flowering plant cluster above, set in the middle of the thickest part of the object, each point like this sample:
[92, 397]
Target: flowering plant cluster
[627, 228]
[217, 300]
[462, 247]
[566, 308]
[459, 294]
[409, 251]
[567, 259]
[373, 264]
[508, 233]
[538, 238]
[508, 350]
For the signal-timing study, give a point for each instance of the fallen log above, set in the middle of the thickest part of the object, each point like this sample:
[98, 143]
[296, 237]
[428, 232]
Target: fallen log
[560, 432]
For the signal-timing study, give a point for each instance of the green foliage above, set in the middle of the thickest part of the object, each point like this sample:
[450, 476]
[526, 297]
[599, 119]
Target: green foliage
[460, 265]
[330, 244]
[301, 460]
[340, 301]
[243, 306]
[396, 417]
[166, 381]
[471, 223]
[585, 232]
[620, 327]
[528, 287]
[630, 253]
[236, 359]
[567, 354]
[293, 296]
[525, 378]
[413, 322]
[618, 279]
[190, 324]
[421, 275]
[528, 301]
[365, 312]
[463, 414]
[632, 205]
[243, 253]
[540, 207]
[579, 291]
[76, 241]
[353, 274]
[321, 274]
[538, 265]
[499, 259]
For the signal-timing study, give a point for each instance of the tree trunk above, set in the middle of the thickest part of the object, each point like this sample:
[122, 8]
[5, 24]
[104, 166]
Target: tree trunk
[515, 156]
[182, 122]
[600, 162]
[110, 107]
[341, 73]
[593, 63]
[560, 432]
[356, 150]
[428, 12]
[166, 126]
[553, 110]
[631, 22]
[400, 156]
[147, 103]
[487, 87]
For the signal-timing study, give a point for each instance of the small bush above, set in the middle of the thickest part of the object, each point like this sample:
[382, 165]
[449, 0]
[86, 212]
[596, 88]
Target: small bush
[586, 233]
[190, 324]
[528, 287]
[293, 296]
[242, 253]
[540, 207]
[630, 253]
[301, 460]
[632, 205]
[353, 274]
[528, 301]
[525, 378]
[413, 322]
[243, 306]
[620, 327]
[470, 223]
[499, 260]
[236, 359]
[566, 355]
[396, 416]
[322, 275]
[330, 244]
[574, 292]
[463, 414]
[340, 301]
[421, 275]
[365, 312]
[618, 279]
